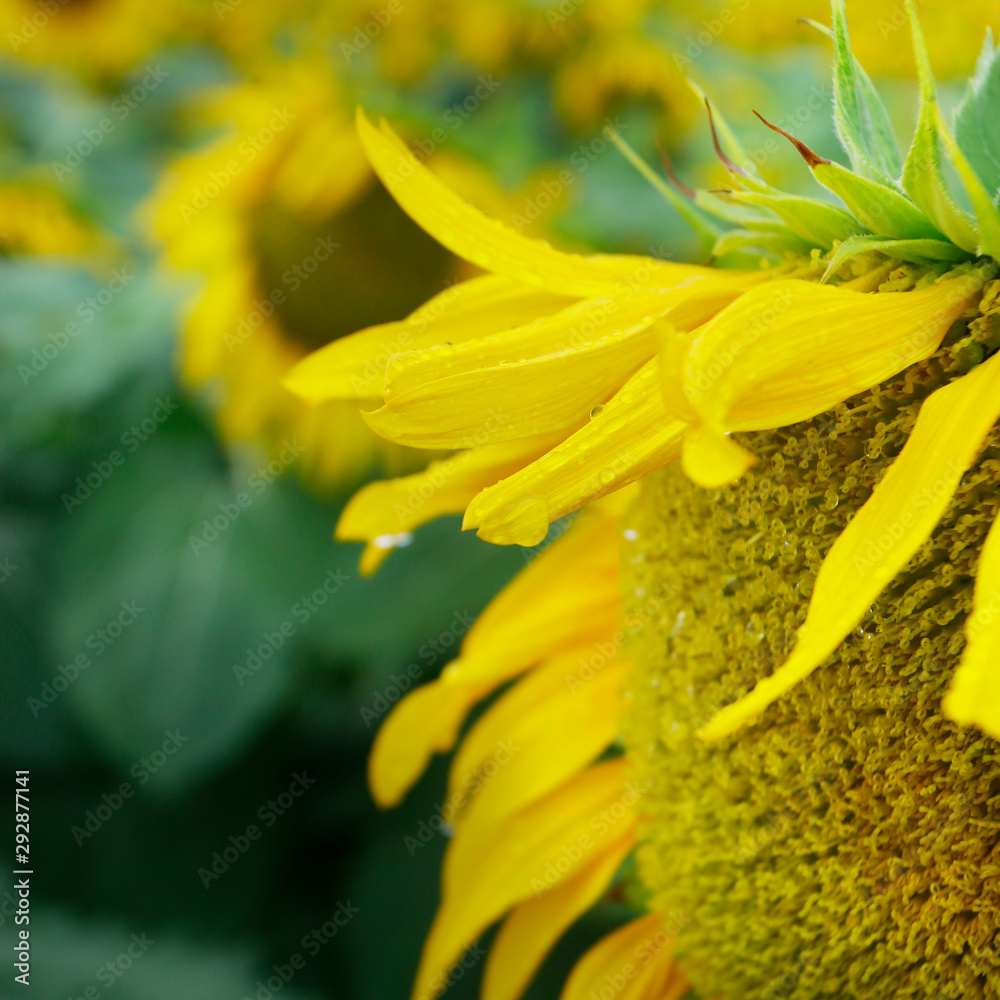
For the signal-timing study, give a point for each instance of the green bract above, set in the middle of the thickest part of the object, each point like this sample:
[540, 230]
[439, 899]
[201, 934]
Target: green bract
[902, 208]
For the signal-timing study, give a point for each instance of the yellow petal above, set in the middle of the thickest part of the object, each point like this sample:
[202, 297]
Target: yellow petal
[533, 927]
[425, 722]
[589, 351]
[524, 856]
[354, 366]
[631, 436]
[567, 597]
[393, 506]
[471, 235]
[626, 963]
[676, 332]
[974, 696]
[547, 728]
[788, 350]
[687, 304]
[372, 556]
[897, 519]
[544, 376]
[670, 984]
[712, 460]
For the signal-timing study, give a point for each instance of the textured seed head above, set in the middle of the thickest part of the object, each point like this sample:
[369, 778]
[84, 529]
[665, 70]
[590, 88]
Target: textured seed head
[848, 843]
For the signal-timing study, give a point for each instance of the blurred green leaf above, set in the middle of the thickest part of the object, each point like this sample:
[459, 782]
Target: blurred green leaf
[71, 957]
[68, 337]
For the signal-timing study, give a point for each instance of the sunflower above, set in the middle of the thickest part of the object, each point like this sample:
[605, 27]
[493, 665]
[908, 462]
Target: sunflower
[101, 38]
[597, 54]
[878, 27]
[34, 219]
[765, 670]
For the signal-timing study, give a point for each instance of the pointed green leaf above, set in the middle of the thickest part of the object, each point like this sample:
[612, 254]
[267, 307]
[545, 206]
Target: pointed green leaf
[723, 205]
[874, 119]
[879, 209]
[861, 119]
[817, 222]
[976, 118]
[919, 251]
[987, 216]
[922, 176]
[773, 244]
[883, 139]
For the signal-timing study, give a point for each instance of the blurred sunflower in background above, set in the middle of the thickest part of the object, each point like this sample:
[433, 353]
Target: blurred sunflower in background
[295, 244]
[762, 660]
[97, 38]
[280, 220]
[879, 30]
[597, 55]
[35, 219]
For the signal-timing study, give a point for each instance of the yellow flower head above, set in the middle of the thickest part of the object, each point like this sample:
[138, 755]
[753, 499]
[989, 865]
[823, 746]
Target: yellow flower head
[34, 219]
[95, 37]
[817, 443]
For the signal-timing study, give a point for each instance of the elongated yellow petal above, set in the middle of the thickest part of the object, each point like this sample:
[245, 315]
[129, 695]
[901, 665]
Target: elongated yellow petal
[533, 927]
[547, 728]
[425, 722]
[885, 533]
[354, 367]
[376, 552]
[631, 436]
[527, 854]
[669, 984]
[470, 234]
[712, 460]
[567, 597]
[788, 350]
[974, 696]
[627, 962]
[444, 487]
[574, 328]
[591, 350]
[581, 324]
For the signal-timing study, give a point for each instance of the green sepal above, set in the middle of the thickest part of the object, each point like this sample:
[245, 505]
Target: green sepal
[918, 251]
[976, 118]
[987, 216]
[775, 244]
[878, 208]
[922, 176]
[859, 114]
[817, 222]
[723, 205]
